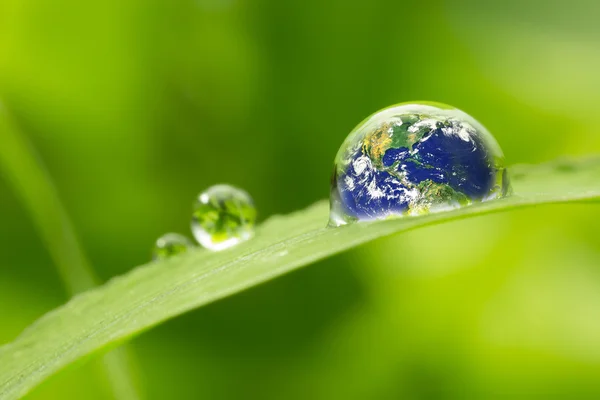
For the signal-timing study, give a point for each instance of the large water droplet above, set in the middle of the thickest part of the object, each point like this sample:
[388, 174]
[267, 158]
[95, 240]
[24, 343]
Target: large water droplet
[413, 159]
[169, 245]
[223, 217]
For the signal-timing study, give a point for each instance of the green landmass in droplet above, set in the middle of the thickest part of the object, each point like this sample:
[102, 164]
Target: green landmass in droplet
[433, 194]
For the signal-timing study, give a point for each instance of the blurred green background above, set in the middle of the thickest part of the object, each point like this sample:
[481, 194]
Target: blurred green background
[135, 106]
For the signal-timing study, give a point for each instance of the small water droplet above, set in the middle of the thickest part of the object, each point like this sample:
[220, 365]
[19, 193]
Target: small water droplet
[223, 217]
[283, 253]
[438, 158]
[169, 245]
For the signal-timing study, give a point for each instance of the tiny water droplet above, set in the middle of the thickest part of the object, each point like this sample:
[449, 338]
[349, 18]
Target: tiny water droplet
[223, 217]
[169, 245]
[413, 159]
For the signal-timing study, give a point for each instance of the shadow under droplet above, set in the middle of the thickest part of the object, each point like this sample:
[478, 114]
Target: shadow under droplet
[517, 176]
[564, 167]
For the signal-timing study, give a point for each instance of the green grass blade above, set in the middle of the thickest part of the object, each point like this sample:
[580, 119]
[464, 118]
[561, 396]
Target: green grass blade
[101, 318]
[34, 185]
[120, 368]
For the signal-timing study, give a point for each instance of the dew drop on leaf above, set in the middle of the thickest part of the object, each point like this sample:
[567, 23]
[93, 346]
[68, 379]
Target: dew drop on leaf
[223, 217]
[414, 159]
[169, 245]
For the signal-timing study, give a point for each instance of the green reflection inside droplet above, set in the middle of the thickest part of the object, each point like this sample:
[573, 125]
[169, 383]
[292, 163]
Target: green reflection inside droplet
[223, 216]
